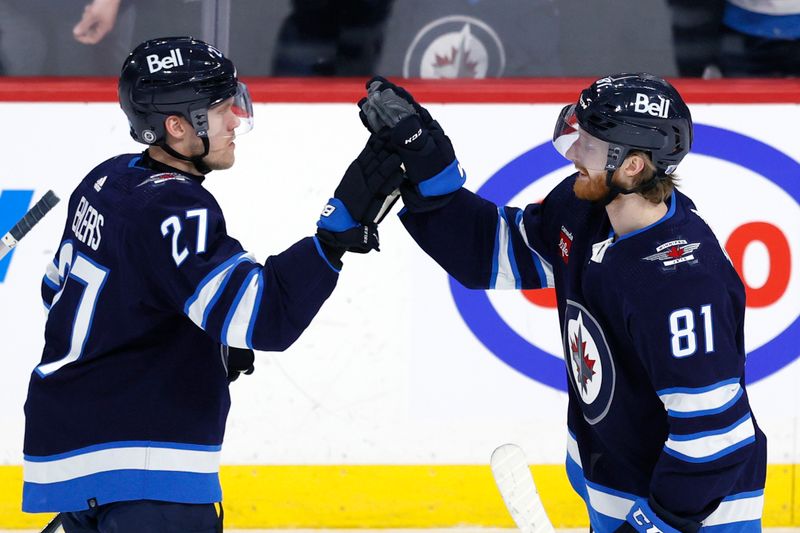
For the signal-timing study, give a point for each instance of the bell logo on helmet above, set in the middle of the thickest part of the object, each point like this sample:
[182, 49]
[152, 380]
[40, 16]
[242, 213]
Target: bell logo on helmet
[148, 136]
[155, 63]
[657, 109]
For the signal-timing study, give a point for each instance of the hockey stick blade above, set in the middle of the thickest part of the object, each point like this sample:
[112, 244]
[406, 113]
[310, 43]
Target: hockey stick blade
[515, 482]
[31, 218]
[54, 525]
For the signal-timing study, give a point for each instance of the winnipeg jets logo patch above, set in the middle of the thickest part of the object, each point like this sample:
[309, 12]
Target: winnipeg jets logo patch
[674, 252]
[591, 367]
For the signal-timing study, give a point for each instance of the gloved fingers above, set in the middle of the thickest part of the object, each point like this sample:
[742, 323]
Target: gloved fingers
[371, 116]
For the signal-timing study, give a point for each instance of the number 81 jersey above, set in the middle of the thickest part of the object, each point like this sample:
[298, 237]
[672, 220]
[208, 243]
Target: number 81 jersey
[144, 295]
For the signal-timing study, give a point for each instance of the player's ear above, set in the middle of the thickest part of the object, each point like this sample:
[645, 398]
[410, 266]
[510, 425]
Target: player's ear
[634, 164]
[175, 126]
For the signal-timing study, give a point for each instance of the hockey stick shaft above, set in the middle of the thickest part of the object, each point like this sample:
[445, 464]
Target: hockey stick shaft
[27, 222]
[54, 525]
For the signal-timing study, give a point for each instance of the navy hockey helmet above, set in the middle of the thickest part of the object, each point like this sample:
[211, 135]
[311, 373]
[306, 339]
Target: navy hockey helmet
[178, 76]
[626, 112]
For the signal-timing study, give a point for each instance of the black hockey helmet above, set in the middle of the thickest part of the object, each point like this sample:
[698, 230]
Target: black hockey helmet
[178, 76]
[630, 112]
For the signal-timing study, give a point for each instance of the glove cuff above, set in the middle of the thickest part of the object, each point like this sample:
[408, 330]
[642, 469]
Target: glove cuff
[643, 518]
[335, 217]
[447, 181]
[416, 203]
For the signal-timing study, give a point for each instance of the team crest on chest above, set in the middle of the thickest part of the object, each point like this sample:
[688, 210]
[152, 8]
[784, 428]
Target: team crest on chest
[591, 368]
[674, 252]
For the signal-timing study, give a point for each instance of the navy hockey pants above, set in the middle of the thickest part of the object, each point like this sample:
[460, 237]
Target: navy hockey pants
[145, 515]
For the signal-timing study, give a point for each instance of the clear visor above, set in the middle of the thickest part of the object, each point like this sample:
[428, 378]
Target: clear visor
[575, 144]
[233, 116]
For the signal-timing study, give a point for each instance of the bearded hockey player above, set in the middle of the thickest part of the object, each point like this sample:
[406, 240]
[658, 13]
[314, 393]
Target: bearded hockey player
[661, 435]
[148, 295]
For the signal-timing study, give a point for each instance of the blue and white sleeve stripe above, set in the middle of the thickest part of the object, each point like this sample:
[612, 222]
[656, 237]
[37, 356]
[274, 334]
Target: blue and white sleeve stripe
[237, 330]
[51, 277]
[693, 402]
[544, 268]
[708, 446]
[505, 272]
[208, 291]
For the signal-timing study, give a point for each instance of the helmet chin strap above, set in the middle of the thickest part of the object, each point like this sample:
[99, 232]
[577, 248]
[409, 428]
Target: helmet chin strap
[196, 160]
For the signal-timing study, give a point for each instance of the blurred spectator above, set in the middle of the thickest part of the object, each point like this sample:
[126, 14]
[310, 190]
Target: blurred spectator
[760, 38]
[65, 37]
[331, 38]
[737, 38]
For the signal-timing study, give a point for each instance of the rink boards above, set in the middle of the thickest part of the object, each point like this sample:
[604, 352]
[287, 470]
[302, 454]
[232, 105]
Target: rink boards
[385, 412]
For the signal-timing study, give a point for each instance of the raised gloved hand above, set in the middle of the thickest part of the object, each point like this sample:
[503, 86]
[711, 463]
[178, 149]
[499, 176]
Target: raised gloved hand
[427, 153]
[239, 361]
[349, 221]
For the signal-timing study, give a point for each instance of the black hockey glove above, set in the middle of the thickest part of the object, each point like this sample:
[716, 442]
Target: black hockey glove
[427, 153]
[349, 222]
[240, 361]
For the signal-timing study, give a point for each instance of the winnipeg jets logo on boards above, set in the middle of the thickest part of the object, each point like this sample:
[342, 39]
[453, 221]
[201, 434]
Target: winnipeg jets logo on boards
[591, 368]
[565, 244]
[156, 64]
[642, 104]
[455, 47]
[674, 252]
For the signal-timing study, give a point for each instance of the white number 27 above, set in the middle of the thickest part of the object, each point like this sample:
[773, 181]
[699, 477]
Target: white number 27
[174, 223]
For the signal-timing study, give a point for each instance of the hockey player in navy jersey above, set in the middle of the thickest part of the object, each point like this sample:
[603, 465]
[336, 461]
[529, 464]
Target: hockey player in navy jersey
[148, 297]
[661, 435]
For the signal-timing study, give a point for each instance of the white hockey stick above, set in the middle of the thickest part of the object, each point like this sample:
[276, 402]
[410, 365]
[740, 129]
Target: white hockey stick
[31, 218]
[515, 482]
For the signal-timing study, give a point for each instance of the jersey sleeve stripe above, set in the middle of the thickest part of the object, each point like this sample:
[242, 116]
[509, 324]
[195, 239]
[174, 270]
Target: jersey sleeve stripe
[324, 257]
[709, 446]
[609, 502]
[572, 449]
[687, 403]
[254, 315]
[127, 458]
[737, 508]
[52, 285]
[544, 268]
[208, 290]
[505, 274]
[241, 312]
[51, 273]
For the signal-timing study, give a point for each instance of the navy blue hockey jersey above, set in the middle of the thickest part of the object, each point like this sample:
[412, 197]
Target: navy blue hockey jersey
[652, 327]
[144, 295]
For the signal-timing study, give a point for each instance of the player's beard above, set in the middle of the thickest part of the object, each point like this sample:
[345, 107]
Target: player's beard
[592, 188]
